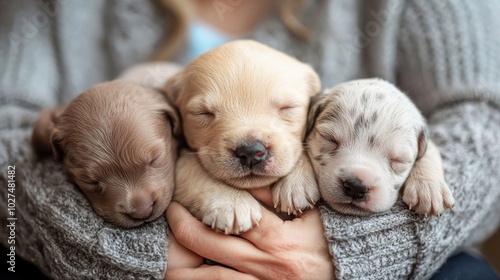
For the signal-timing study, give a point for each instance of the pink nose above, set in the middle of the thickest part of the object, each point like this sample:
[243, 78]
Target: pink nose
[143, 205]
[366, 176]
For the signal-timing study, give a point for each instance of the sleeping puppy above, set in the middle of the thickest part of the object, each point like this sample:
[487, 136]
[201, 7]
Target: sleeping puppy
[244, 108]
[116, 143]
[365, 140]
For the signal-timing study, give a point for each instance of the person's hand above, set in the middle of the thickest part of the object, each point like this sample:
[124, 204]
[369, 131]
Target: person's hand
[275, 249]
[184, 264]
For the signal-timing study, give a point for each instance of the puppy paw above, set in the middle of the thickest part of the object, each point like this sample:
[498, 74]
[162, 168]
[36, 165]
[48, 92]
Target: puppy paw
[233, 215]
[296, 192]
[427, 196]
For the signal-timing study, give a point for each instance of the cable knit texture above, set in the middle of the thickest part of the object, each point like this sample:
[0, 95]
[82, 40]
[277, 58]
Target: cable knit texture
[444, 54]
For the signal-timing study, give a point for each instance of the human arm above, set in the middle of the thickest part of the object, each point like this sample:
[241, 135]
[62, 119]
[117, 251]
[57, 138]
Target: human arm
[57, 229]
[186, 264]
[446, 62]
[50, 63]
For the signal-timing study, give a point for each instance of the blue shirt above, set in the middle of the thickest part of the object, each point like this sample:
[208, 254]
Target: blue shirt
[201, 38]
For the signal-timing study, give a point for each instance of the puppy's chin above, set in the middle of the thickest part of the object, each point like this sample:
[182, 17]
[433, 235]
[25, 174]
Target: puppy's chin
[349, 209]
[122, 220]
[111, 212]
[360, 208]
[377, 201]
[251, 181]
[225, 167]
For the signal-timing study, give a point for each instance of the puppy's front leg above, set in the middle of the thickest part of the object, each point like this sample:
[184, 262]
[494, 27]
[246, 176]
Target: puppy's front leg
[215, 203]
[298, 190]
[425, 189]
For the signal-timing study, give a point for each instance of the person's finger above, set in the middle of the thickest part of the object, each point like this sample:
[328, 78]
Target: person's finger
[180, 256]
[311, 216]
[207, 272]
[199, 238]
[271, 228]
[263, 195]
[267, 231]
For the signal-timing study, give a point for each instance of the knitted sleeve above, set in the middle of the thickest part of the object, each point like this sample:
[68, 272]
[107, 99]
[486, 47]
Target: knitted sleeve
[51, 223]
[55, 226]
[449, 64]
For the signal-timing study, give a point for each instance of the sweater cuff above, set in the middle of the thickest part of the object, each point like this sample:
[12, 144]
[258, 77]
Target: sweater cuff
[400, 244]
[372, 247]
[56, 228]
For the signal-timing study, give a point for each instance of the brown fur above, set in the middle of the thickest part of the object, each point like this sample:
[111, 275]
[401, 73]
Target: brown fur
[115, 141]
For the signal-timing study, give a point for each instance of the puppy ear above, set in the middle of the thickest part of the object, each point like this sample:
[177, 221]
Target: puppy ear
[55, 141]
[313, 80]
[173, 115]
[173, 87]
[45, 126]
[316, 106]
[423, 139]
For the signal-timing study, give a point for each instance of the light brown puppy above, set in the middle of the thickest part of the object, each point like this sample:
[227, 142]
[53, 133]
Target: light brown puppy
[244, 107]
[116, 143]
[367, 140]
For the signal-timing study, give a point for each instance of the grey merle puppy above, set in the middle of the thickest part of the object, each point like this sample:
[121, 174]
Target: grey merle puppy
[367, 140]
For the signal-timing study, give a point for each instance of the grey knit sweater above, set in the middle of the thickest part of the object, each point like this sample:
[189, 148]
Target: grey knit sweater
[443, 53]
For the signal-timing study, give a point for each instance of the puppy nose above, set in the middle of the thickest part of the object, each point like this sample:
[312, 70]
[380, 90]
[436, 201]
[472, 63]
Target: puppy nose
[251, 154]
[353, 187]
[143, 204]
[142, 214]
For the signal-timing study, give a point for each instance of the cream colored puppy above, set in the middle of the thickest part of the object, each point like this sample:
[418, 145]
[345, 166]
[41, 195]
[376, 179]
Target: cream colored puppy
[244, 108]
[366, 139]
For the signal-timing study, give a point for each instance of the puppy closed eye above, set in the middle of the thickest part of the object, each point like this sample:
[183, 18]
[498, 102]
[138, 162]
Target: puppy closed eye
[331, 143]
[203, 115]
[287, 110]
[155, 161]
[399, 165]
[93, 186]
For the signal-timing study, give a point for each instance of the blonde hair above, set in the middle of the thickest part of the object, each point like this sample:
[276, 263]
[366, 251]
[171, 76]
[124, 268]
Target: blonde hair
[181, 13]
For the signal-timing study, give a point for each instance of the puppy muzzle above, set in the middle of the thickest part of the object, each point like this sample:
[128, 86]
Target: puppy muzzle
[252, 154]
[354, 188]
